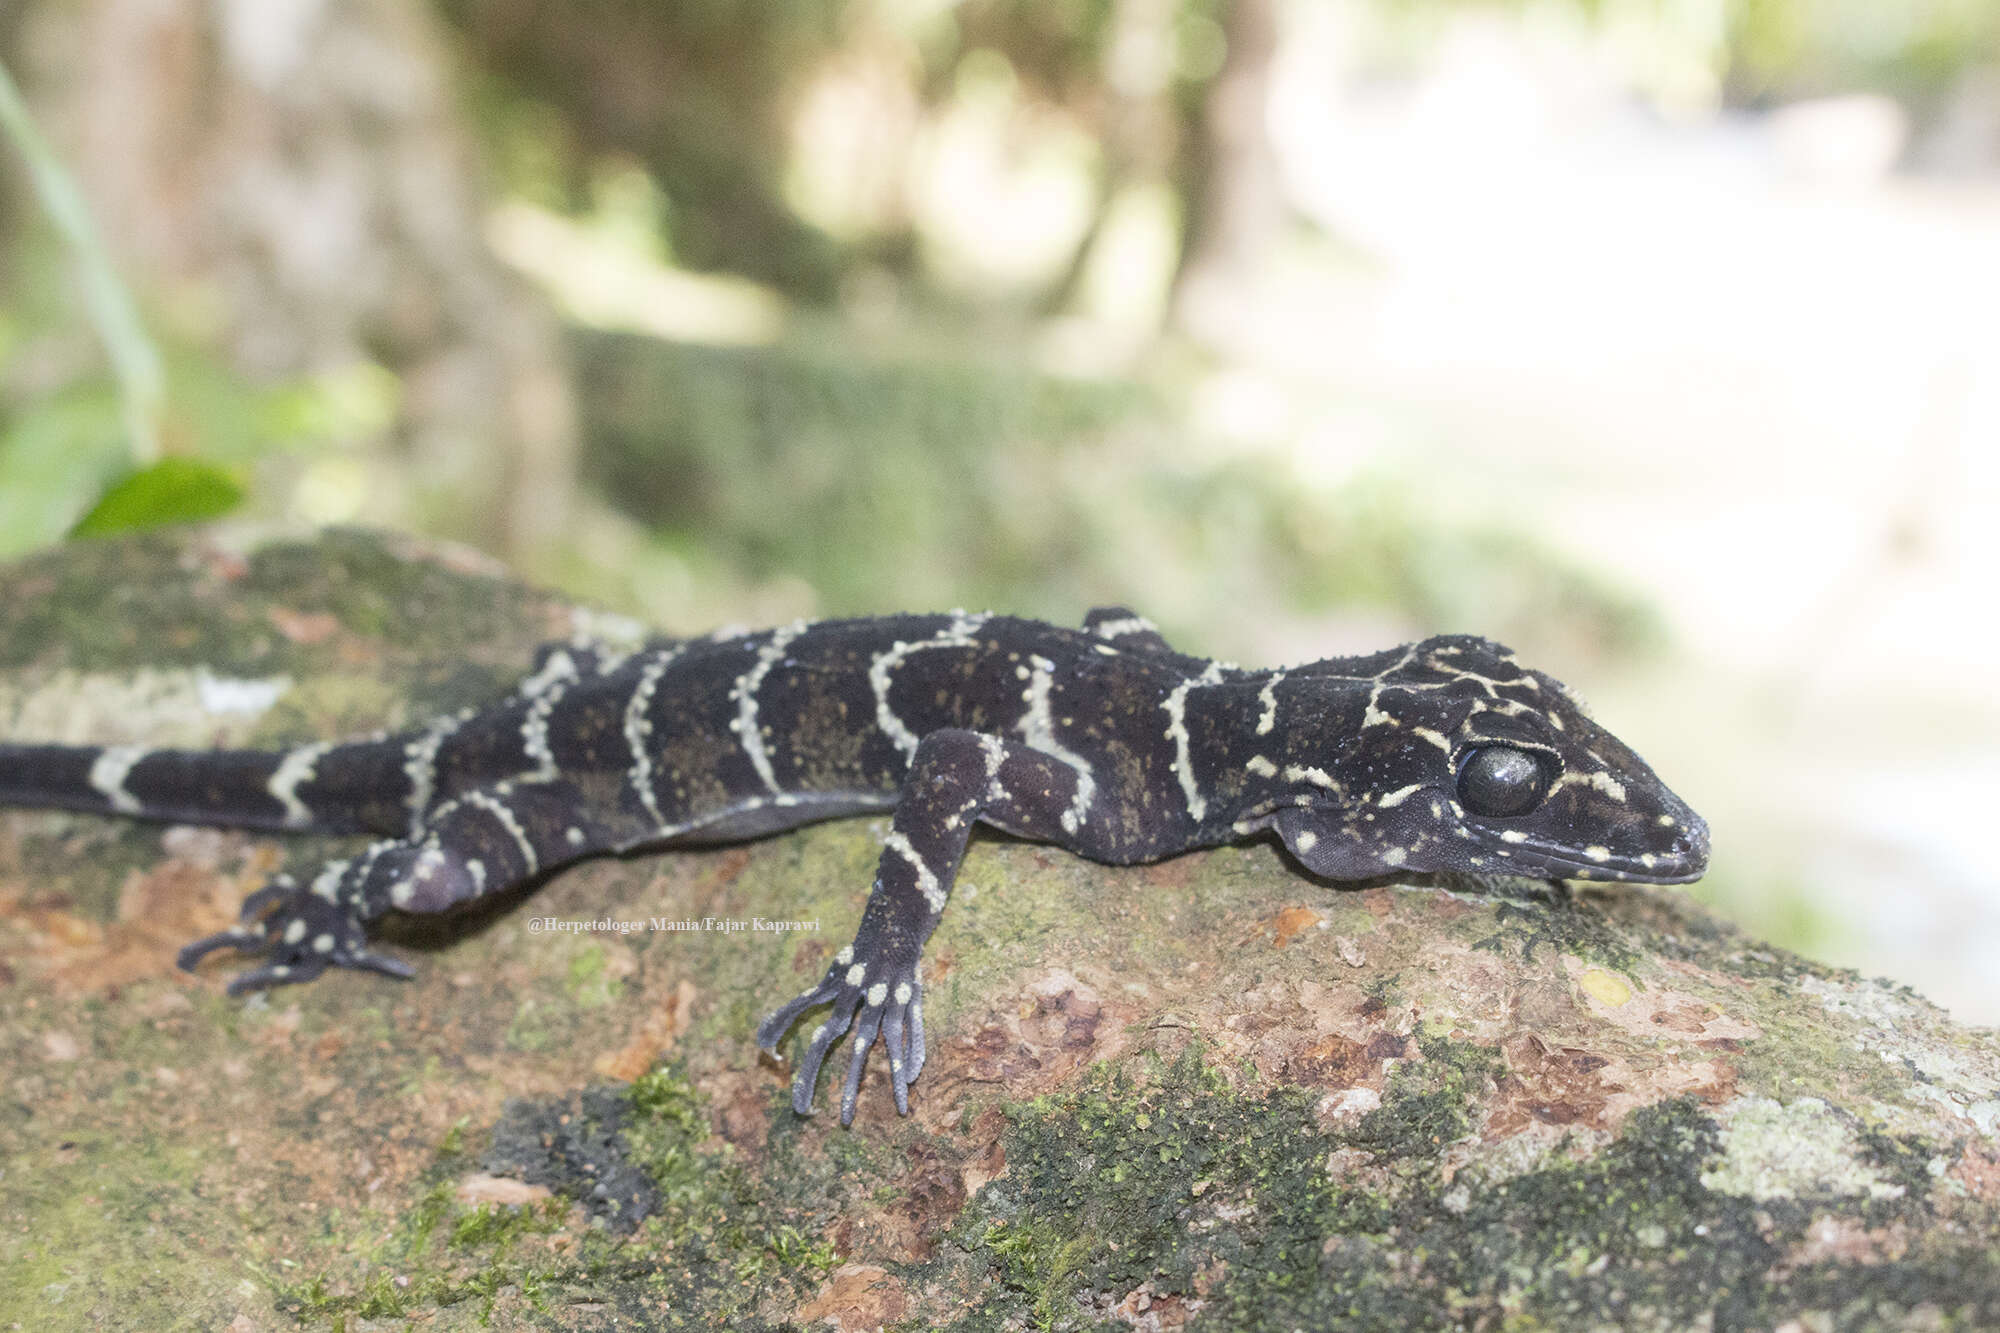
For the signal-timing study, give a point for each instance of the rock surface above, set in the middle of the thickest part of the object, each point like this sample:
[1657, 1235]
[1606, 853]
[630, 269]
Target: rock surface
[1209, 1093]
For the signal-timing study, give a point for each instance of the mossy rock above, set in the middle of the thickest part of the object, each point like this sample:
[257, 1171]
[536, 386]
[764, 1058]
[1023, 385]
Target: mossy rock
[1209, 1093]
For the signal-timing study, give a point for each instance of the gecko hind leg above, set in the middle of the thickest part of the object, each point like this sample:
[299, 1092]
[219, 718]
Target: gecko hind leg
[298, 933]
[483, 841]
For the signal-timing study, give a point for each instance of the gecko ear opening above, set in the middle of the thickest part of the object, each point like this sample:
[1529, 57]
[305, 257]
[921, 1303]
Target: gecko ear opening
[1502, 780]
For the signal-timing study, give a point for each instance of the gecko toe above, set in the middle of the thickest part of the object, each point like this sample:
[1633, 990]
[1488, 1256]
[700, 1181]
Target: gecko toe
[895, 1038]
[916, 1057]
[275, 974]
[263, 900]
[233, 938]
[864, 1038]
[772, 1030]
[369, 961]
[824, 1036]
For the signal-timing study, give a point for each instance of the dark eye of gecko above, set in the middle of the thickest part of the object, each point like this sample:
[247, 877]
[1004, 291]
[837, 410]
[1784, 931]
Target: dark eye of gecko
[1501, 780]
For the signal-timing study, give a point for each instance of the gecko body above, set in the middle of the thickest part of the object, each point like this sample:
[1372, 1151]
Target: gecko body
[1441, 755]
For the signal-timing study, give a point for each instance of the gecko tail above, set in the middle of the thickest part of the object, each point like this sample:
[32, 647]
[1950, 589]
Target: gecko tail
[346, 788]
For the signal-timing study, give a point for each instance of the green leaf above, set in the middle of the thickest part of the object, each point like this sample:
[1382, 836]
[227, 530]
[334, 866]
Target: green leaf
[173, 490]
[53, 459]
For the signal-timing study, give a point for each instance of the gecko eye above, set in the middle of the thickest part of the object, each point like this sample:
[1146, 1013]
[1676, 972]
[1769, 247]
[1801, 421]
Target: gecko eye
[1501, 780]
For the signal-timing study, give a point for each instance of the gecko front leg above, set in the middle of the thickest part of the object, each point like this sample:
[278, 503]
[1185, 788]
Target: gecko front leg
[956, 779]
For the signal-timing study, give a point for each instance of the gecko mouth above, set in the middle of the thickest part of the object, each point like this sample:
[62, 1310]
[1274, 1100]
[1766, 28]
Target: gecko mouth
[1685, 861]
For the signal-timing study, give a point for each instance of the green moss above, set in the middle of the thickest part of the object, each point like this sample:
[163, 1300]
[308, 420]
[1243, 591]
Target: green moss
[714, 1247]
[536, 1026]
[372, 590]
[587, 980]
[110, 1229]
[1189, 1187]
[1427, 1106]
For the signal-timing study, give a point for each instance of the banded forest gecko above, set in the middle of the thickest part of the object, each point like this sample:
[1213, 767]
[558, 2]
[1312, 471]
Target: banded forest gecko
[1442, 755]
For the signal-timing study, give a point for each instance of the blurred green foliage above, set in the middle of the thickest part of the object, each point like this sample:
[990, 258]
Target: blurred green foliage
[928, 483]
[173, 490]
[1913, 49]
[700, 95]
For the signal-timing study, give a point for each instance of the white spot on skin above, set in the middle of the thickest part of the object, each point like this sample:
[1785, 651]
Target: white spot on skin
[505, 818]
[958, 634]
[1268, 696]
[1395, 856]
[295, 768]
[856, 975]
[1261, 766]
[1319, 777]
[1038, 730]
[323, 944]
[1666, 821]
[295, 932]
[1118, 629]
[1373, 716]
[560, 667]
[845, 956]
[1306, 841]
[1401, 794]
[1436, 738]
[535, 726]
[1598, 853]
[1177, 732]
[996, 754]
[573, 836]
[327, 883]
[748, 734]
[1513, 835]
[639, 729]
[903, 992]
[878, 993]
[1603, 782]
[109, 771]
[927, 883]
[420, 768]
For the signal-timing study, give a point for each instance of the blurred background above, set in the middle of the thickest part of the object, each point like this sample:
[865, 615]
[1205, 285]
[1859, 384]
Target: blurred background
[1655, 338]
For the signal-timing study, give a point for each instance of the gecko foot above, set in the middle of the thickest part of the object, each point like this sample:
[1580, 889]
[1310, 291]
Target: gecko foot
[890, 1004]
[298, 933]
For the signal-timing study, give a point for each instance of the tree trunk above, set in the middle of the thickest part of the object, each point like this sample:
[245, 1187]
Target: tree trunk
[293, 175]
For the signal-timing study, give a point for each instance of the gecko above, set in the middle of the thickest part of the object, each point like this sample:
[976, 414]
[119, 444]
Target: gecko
[1443, 755]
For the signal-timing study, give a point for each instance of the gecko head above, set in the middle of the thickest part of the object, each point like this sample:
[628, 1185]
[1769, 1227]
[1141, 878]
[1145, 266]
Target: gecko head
[1464, 760]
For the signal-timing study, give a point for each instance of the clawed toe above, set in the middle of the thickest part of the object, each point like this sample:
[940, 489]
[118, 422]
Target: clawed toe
[895, 1014]
[233, 938]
